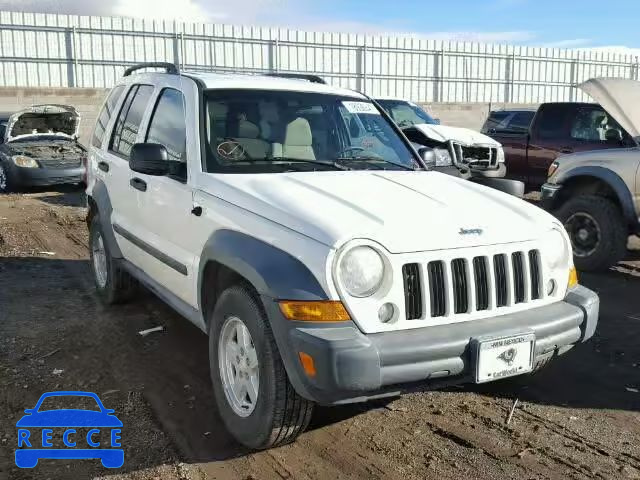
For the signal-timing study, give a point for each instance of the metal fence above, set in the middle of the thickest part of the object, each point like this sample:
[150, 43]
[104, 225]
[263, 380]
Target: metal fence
[78, 51]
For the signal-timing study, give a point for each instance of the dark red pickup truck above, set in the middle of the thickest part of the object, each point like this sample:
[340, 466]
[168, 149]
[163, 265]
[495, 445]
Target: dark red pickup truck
[556, 129]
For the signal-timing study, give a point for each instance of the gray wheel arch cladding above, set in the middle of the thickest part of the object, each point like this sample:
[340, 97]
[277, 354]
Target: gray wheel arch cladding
[100, 197]
[614, 181]
[272, 272]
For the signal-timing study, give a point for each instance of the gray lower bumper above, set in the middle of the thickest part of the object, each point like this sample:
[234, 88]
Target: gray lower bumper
[34, 177]
[352, 366]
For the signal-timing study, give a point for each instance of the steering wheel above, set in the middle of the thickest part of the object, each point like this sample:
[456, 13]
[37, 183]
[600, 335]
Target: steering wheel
[405, 123]
[232, 150]
[350, 149]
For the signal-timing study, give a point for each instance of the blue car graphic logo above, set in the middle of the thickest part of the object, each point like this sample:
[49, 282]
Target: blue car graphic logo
[36, 433]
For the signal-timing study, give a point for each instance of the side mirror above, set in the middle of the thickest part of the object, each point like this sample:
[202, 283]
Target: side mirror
[613, 135]
[428, 156]
[28, 411]
[437, 121]
[150, 159]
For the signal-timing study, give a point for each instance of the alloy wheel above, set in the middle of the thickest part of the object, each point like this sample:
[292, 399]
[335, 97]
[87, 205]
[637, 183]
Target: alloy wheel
[239, 368]
[99, 261]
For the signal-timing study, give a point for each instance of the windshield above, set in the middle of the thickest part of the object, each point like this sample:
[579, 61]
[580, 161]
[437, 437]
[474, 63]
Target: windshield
[261, 131]
[406, 114]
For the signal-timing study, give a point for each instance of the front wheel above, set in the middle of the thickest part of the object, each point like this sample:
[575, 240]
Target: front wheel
[112, 283]
[256, 401]
[5, 181]
[597, 231]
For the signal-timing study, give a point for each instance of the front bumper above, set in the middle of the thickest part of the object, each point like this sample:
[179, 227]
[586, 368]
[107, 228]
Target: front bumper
[549, 194]
[39, 177]
[352, 366]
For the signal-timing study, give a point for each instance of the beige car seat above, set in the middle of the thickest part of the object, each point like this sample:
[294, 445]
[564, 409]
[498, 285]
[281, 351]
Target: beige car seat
[248, 134]
[298, 140]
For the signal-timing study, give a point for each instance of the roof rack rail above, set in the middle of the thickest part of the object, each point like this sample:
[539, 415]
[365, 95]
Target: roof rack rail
[299, 76]
[169, 67]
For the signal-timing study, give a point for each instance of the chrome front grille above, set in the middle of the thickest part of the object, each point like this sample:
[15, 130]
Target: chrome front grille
[467, 285]
[475, 156]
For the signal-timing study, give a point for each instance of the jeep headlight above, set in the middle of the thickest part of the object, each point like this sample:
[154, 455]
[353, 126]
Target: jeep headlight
[25, 162]
[443, 157]
[556, 249]
[361, 271]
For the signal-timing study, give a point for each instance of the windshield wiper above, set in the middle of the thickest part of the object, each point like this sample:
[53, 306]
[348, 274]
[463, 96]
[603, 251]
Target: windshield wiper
[285, 160]
[364, 158]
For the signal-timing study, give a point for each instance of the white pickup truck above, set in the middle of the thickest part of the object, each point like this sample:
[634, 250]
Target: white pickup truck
[453, 145]
[324, 268]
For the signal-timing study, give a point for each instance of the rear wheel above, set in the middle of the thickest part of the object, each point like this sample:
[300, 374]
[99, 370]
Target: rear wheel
[257, 404]
[113, 284]
[597, 231]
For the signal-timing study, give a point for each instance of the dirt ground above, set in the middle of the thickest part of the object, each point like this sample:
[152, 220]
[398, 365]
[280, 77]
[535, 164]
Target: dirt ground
[578, 419]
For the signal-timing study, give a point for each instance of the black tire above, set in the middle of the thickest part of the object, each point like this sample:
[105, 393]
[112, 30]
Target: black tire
[280, 414]
[6, 183]
[119, 286]
[611, 246]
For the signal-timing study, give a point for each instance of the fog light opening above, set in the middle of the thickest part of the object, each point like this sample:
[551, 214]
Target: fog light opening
[386, 312]
[551, 287]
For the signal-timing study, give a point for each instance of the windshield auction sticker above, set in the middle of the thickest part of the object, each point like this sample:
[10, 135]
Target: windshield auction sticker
[361, 107]
[54, 429]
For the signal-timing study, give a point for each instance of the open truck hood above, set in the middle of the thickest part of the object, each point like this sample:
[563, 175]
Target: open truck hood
[620, 97]
[43, 120]
[445, 133]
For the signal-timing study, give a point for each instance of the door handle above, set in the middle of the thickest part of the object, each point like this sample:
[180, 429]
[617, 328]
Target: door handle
[566, 150]
[197, 210]
[104, 166]
[138, 184]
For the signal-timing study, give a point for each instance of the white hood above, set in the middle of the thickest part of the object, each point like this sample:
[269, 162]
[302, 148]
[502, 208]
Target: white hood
[404, 211]
[465, 136]
[620, 97]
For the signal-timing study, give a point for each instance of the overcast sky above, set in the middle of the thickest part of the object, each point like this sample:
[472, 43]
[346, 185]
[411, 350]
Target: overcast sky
[554, 23]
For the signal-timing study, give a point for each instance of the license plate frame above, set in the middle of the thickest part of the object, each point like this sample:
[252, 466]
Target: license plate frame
[492, 351]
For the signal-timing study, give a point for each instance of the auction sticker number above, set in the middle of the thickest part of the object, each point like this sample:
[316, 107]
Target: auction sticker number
[361, 107]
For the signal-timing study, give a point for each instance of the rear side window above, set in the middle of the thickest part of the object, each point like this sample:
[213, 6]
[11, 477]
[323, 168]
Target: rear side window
[494, 121]
[520, 121]
[551, 121]
[168, 127]
[127, 125]
[105, 115]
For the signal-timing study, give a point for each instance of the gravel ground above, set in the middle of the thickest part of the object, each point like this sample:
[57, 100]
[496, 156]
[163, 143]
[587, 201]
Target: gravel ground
[577, 419]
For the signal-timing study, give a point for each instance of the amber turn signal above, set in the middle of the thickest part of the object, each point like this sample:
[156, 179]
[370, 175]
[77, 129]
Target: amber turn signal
[322, 311]
[307, 364]
[573, 277]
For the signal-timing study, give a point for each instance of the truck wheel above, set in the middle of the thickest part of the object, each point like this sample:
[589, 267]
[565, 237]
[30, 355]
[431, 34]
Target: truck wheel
[5, 183]
[256, 402]
[112, 283]
[597, 231]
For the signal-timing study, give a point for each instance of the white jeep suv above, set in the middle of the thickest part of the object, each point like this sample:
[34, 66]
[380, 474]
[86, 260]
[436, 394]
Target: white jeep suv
[326, 266]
